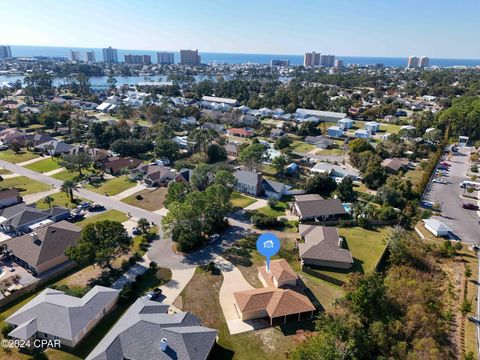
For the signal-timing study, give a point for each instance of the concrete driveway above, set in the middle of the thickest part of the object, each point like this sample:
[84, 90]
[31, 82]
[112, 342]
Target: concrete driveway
[172, 289]
[463, 222]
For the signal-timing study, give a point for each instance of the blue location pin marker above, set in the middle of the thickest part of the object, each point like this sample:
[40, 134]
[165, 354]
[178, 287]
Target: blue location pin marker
[268, 245]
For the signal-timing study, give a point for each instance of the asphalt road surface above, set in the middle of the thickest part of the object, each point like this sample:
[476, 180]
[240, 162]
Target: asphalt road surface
[463, 222]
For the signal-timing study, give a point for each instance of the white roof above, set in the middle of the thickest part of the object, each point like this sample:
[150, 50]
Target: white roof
[437, 225]
[219, 100]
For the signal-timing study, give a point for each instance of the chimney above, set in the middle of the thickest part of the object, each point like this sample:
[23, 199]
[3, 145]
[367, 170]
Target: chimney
[34, 236]
[164, 344]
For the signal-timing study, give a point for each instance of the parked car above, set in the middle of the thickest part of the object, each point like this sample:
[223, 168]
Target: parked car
[136, 231]
[96, 207]
[3, 147]
[84, 206]
[152, 295]
[470, 206]
[444, 163]
[439, 181]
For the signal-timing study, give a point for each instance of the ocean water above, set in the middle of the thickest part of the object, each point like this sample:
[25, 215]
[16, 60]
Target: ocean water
[234, 58]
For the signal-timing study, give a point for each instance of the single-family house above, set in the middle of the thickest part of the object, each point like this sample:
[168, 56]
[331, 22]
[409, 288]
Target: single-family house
[278, 112]
[54, 147]
[394, 165]
[232, 149]
[21, 217]
[240, 132]
[321, 246]
[372, 127]
[9, 197]
[280, 273]
[320, 142]
[44, 248]
[114, 165]
[335, 132]
[147, 330]
[155, 175]
[346, 123]
[54, 315]
[313, 207]
[336, 171]
[276, 133]
[253, 183]
[220, 100]
[362, 134]
[274, 189]
[326, 116]
[188, 121]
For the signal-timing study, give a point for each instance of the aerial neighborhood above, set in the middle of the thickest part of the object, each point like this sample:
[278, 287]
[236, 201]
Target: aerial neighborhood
[130, 209]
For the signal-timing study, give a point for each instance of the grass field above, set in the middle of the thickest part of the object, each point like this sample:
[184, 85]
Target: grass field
[70, 175]
[152, 199]
[59, 199]
[113, 215]
[239, 200]
[44, 166]
[300, 146]
[112, 186]
[10, 156]
[5, 172]
[269, 344]
[21, 182]
[278, 210]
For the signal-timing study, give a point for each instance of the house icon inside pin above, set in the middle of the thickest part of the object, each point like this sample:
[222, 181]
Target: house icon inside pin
[268, 244]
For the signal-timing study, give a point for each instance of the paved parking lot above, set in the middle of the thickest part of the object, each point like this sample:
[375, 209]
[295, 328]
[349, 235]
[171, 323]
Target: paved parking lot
[463, 222]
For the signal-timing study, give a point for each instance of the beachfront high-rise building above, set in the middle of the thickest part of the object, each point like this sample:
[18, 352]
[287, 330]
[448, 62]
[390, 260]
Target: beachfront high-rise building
[5, 52]
[74, 55]
[189, 57]
[413, 62]
[327, 60]
[110, 55]
[138, 59]
[165, 58]
[90, 56]
[311, 59]
[424, 62]
[338, 64]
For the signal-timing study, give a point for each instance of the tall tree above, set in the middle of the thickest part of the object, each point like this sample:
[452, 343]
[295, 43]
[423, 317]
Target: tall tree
[76, 162]
[68, 187]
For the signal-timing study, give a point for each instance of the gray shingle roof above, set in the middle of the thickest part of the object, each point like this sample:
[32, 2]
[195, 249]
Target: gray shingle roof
[322, 243]
[248, 177]
[315, 207]
[138, 333]
[58, 314]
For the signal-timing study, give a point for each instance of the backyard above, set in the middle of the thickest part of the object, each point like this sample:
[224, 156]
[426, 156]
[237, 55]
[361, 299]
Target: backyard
[149, 199]
[25, 185]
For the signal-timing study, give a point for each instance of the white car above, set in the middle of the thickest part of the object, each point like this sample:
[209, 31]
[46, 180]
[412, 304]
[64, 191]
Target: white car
[439, 181]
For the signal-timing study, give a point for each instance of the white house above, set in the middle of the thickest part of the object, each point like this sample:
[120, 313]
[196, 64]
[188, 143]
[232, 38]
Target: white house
[436, 227]
[335, 132]
[346, 123]
[362, 134]
[372, 127]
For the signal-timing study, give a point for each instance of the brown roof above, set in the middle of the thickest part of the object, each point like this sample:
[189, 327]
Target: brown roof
[6, 194]
[51, 242]
[322, 243]
[314, 206]
[117, 163]
[394, 164]
[281, 270]
[276, 302]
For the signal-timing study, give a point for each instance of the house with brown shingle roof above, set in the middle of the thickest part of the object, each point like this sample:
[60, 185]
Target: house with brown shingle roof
[274, 304]
[322, 246]
[44, 248]
[115, 164]
[394, 165]
[280, 300]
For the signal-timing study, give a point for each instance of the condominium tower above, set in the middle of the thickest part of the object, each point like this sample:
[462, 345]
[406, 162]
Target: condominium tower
[165, 58]
[90, 56]
[5, 52]
[189, 57]
[110, 55]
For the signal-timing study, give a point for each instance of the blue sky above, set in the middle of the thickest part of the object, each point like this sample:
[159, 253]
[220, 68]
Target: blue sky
[436, 28]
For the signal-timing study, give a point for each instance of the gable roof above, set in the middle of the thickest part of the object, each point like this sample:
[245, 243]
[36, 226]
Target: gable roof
[45, 244]
[282, 271]
[322, 243]
[276, 302]
[314, 206]
[248, 177]
[273, 186]
[138, 333]
[57, 314]
[394, 164]
[8, 193]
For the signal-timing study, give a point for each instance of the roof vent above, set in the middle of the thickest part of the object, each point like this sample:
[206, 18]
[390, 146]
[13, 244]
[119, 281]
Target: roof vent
[34, 236]
[164, 344]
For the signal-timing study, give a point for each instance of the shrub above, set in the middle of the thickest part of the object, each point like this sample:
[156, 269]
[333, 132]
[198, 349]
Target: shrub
[262, 221]
[272, 202]
[153, 265]
[139, 197]
[6, 330]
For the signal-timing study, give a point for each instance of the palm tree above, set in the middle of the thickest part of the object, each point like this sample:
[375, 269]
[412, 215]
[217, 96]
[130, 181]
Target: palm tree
[48, 200]
[68, 187]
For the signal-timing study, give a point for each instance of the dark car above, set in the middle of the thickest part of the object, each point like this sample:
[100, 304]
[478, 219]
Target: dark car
[152, 295]
[470, 206]
[97, 207]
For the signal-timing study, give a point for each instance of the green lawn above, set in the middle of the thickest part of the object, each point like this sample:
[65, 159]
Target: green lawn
[112, 186]
[151, 199]
[21, 182]
[69, 175]
[5, 171]
[10, 156]
[239, 200]
[278, 210]
[330, 152]
[44, 166]
[301, 146]
[113, 215]
[59, 199]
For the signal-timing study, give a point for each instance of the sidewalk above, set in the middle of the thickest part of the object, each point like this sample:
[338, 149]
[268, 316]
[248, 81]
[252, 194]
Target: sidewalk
[55, 171]
[129, 192]
[33, 198]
